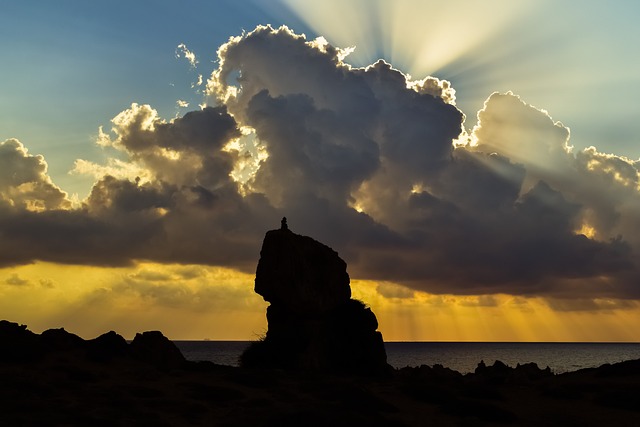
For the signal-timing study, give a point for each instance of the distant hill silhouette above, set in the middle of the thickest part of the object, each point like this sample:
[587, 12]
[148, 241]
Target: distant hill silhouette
[20, 345]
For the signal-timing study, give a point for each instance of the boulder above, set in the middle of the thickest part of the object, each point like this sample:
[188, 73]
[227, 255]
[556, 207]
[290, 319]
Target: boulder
[107, 347]
[60, 340]
[500, 373]
[154, 348]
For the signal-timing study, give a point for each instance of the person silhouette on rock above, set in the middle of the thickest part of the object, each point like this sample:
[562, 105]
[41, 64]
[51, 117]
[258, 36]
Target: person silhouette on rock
[283, 223]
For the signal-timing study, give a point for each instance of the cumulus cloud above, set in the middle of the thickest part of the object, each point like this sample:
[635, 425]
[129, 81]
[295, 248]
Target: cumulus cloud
[115, 167]
[369, 161]
[24, 182]
[523, 133]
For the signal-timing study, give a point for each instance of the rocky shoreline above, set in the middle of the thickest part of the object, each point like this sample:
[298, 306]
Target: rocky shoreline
[57, 378]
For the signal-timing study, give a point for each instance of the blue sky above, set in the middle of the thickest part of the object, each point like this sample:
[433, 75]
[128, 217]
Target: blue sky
[70, 66]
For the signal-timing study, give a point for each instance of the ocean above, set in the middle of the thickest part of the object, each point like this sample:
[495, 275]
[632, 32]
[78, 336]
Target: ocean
[460, 356]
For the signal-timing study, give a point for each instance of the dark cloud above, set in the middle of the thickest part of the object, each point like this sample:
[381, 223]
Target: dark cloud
[415, 127]
[186, 209]
[310, 150]
[184, 151]
[364, 159]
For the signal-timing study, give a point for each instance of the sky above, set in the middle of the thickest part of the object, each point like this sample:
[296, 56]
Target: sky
[475, 163]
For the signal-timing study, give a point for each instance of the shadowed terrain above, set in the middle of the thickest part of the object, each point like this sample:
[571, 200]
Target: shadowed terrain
[57, 378]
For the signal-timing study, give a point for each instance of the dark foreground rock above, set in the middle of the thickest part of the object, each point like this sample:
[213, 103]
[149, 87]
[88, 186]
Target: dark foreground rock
[153, 347]
[20, 345]
[67, 384]
[313, 324]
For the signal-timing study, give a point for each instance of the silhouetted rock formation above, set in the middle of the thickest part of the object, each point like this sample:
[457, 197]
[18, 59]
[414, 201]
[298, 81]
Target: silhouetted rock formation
[61, 383]
[155, 348]
[107, 347]
[312, 321]
[20, 345]
[500, 373]
[61, 340]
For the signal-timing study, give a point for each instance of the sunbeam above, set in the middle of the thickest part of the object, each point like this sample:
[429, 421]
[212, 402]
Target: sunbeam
[550, 54]
[416, 36]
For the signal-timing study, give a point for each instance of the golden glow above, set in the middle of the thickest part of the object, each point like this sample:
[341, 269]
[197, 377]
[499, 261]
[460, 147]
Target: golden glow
[426, 317]
[170, 154]
[417, 188]
[587, 230]
[117, 168]
[161, 211]
[356, 205]
[198, 302]
[250, 155]
[183, 301]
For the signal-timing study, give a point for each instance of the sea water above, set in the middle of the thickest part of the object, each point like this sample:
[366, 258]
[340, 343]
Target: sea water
[460, 356]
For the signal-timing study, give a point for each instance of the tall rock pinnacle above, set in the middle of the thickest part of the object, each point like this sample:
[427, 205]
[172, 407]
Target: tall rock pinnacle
[312, 321]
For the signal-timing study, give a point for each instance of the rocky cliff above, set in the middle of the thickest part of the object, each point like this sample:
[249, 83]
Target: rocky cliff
[312, 321]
